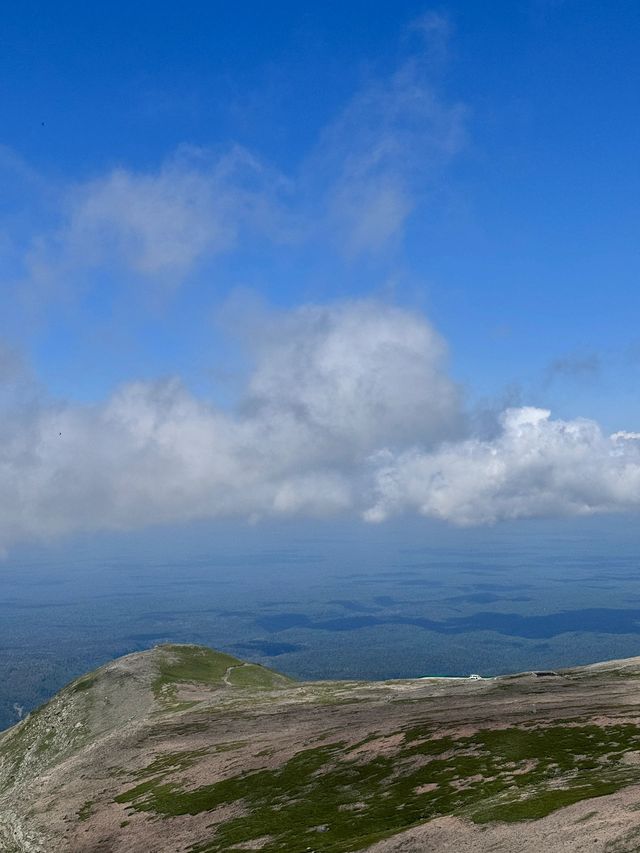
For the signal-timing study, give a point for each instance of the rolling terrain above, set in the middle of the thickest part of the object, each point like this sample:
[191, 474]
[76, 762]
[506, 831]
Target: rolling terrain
[182, 748]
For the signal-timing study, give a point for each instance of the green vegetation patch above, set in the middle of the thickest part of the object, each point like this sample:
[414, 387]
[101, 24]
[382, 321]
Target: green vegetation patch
[332, 800]
[86, 810]
[253, 675]
[188, 665]
[200, 665]
[169, 763]
[192, 664]
[84, 683]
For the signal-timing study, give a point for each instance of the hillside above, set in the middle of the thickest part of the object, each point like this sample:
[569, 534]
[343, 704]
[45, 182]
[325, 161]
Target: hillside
[185, 749]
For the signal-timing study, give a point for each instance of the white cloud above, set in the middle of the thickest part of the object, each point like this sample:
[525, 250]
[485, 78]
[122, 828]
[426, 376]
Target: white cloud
[625, 435]
[154, 227]
[536, 466]
[163, 222]
[346, 412]
[357, 376]
[384, 154]
[331, 385]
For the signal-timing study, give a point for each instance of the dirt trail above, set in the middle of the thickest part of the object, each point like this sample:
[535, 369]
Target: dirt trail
[228, 672]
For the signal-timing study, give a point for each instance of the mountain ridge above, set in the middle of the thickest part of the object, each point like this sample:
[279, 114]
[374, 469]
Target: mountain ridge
[182, 748]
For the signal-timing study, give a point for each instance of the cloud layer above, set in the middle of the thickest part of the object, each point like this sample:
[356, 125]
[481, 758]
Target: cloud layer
[331, 385]
[349, 409]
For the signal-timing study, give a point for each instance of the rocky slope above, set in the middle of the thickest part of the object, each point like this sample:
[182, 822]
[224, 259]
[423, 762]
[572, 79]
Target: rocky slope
[185, 749]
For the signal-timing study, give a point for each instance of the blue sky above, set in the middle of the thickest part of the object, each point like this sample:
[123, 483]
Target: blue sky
[177, 177]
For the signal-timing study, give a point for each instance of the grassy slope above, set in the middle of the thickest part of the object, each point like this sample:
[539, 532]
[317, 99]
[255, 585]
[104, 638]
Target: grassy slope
[327, 800]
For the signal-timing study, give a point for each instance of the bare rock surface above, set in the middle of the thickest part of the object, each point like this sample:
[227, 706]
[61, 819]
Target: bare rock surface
[182, 748]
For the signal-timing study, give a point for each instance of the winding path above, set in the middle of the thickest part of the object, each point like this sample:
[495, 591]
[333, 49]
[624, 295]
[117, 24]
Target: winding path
[229, 670]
